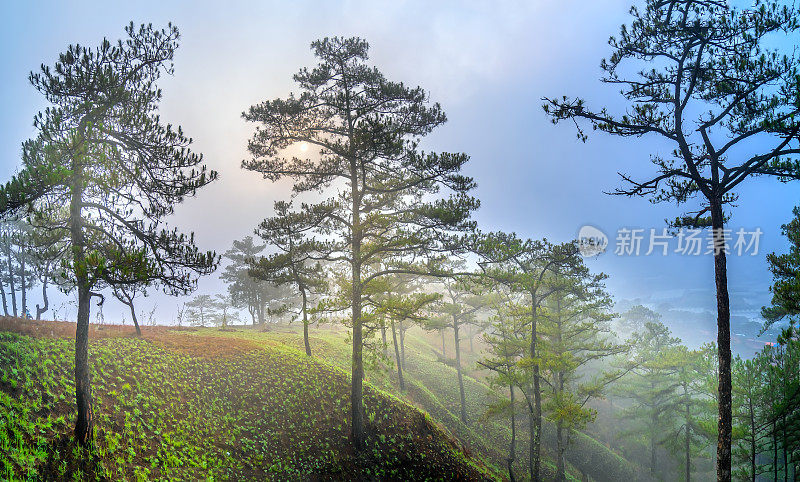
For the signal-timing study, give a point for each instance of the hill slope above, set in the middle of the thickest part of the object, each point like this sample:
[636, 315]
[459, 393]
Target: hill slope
[432, 386]
[199, 406]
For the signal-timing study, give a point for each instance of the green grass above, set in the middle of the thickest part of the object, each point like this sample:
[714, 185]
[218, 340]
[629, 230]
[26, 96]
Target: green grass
[163, 414]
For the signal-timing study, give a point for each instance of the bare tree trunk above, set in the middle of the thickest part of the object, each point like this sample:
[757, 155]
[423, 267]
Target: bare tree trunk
[458, 370]
[444, 352]
[723, 345]
[397, 356]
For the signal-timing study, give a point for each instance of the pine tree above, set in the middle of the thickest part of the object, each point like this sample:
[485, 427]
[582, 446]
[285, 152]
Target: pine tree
[294, 264]
[526, 267]
[686, 439]
[102, 150]
[462, 300]
[786, 281]
[245, 290]
[575, 337]
[400, 301]
[650, 386]
[383, 193]
[202, 309]
[748, 386]
[507, 347]
[705, 77]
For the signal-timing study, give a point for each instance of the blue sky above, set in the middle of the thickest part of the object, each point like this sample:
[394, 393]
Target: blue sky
[487, 63]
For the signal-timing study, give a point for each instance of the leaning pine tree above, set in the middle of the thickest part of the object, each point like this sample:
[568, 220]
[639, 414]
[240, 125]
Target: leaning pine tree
[727, 103]
[103, 151]
[382, 202]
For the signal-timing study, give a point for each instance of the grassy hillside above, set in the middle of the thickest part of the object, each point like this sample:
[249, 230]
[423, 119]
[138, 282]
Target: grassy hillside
[197, 406]
[246, 403]
[432, 386]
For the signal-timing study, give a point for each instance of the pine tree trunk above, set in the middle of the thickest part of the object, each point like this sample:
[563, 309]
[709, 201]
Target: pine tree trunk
[358, 430]
[23, 287]
[84, 424]
[752, 444]
[687, 447]
[305, 322]
[536, 443]
[41, 310]
[444, 353]
[774, 452]
[512, 446]
[397, 356]
[11, 284]
[560, 448]
[723, 346]
[532, 444]
[784, 446]
[458, 370]
[5, 302]
[402, 345]
[383, 337]
[653, 435]
[260, 313]
[135, 320]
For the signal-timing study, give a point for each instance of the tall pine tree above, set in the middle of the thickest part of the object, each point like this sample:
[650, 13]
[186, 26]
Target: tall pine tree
[384, 196]
[706, 78]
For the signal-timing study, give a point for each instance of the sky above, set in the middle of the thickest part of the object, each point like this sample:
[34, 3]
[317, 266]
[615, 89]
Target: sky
[488, 63]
